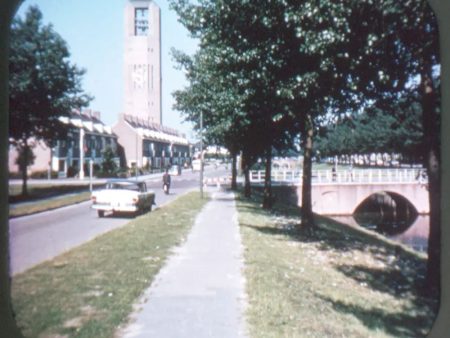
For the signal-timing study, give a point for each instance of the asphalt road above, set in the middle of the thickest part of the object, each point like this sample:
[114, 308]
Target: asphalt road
[40, 237]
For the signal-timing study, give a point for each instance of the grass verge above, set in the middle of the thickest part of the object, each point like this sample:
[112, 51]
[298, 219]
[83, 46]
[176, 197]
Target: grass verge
[40, 191]
[90, 290]
[47, 204]
[335, 282]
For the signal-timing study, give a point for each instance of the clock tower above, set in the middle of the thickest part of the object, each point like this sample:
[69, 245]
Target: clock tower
[142, 60]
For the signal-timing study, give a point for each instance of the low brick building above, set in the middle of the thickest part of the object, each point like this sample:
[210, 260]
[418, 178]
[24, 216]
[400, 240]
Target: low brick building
[150, 145]
[86, 132]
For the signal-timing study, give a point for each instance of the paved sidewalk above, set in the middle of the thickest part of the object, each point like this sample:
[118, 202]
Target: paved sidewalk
[200, 292]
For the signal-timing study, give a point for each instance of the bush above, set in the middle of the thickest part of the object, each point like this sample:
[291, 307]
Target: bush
[43, 174]
[15, 175]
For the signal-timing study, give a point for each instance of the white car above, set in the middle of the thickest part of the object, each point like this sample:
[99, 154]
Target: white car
[123, 196]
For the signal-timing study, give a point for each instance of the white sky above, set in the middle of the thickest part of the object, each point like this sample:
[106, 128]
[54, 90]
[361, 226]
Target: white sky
[94, 32]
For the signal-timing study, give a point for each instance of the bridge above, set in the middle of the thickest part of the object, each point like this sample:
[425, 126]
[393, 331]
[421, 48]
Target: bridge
[341, 192]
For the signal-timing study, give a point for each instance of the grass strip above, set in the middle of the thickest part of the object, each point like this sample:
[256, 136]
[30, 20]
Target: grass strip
[45, 190]
[335, 282]
[90, 290]
[47, 204]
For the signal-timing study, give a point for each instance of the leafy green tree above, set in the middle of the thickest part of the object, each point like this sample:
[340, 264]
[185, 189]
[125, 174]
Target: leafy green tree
[109, 165]
[25, 158]
[43, 85]
[298, 62]
[394, 48]
[225, 84]
[375, 131]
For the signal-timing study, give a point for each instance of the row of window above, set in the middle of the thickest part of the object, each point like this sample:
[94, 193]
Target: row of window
[93, 146]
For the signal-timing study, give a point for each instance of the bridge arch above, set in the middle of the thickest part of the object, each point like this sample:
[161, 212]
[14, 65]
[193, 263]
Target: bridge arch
[415, 195]
[388, 199]
[343, 199]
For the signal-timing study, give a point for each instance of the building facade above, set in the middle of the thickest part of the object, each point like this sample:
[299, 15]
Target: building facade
[142, 60]
[86, 132]
[145, 141]
[151, 145]
[139, 137]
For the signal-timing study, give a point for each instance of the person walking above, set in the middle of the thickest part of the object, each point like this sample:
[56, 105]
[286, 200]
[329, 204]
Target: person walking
[166, 181]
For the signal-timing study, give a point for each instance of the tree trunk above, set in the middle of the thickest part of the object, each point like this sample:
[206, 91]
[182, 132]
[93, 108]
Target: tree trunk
[307, 219]
[432, 164]
[246, 168]
[247, 188]
[233, 171]
[24, 167]
[267, 196]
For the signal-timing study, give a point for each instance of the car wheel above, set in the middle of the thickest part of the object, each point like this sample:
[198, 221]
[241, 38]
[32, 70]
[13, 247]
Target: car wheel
[101, 213]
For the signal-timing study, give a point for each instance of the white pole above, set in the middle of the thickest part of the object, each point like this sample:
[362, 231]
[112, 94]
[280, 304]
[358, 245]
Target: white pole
[136, 168]
[90, 174]
[81, 174]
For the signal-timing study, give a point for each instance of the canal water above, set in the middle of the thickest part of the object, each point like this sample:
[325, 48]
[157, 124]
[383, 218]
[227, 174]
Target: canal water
[413, 233]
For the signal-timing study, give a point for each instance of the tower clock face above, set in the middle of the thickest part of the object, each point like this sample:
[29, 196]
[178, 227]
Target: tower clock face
[139, 76]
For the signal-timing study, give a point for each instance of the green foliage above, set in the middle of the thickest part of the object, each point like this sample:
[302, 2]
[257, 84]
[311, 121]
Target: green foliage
[265, 73]
[43, 85]
[375, 131]
[109, 167]
[25, 157]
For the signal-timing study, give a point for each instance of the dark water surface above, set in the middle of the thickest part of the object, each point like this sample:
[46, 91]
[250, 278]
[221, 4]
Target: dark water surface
[414, 235]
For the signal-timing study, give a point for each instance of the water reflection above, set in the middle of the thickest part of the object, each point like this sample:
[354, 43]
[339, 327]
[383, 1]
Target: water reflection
[414, 235]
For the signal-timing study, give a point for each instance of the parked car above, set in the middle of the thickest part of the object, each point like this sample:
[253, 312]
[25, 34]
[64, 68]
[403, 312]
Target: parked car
[123, 196]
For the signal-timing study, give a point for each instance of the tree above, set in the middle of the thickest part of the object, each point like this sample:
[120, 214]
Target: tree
[392, 54]
[43, 85]
[109, 166]
[401, 57]
[298, 62]
[25, 158]
[225, 84]
[397, 130]
[211, 96]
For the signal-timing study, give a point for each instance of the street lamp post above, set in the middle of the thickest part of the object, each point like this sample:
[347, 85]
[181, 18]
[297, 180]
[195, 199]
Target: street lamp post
[81, 173]
[91, 171]
[136, 167]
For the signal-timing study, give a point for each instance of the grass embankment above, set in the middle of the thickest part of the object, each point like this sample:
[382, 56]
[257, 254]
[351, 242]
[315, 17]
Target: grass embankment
[42, 197]
[337, 282]
[89, 291]
[47, 204]
[40, 191]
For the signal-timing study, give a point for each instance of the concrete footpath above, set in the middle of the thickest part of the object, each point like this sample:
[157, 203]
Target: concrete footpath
[200, 292]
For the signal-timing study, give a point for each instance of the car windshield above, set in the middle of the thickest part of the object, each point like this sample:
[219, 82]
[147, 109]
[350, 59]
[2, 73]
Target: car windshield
[124, 186]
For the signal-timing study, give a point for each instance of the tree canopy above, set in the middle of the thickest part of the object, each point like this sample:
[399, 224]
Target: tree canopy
[43, 84]
[365, 72]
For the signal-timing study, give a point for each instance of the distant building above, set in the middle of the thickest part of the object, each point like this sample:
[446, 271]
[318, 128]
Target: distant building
[142, 60]
[145, 141]
[87, 132]
[139, 138]
[150, 145]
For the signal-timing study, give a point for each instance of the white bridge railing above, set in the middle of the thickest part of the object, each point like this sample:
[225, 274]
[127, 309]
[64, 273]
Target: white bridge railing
[346, 176]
